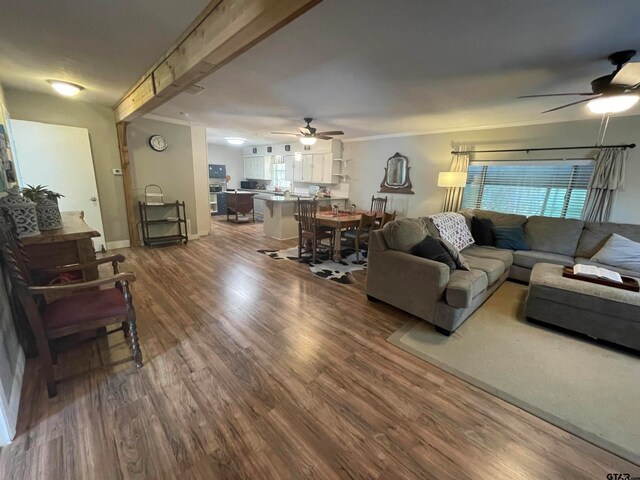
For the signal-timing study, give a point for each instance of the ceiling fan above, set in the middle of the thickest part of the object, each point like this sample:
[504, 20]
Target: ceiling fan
[308, 134]
[611, 93]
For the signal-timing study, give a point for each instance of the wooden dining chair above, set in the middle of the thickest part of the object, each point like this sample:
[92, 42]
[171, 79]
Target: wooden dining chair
[84, 307]
[308, 229]
[378, 205]
[360, 235]
[386, 218]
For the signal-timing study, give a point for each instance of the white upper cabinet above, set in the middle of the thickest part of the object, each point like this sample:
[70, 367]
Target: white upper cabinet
[315, 165]
[289, 165]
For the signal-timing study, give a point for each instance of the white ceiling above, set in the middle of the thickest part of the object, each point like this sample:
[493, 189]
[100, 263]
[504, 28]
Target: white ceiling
[375, 67]
[104, 46]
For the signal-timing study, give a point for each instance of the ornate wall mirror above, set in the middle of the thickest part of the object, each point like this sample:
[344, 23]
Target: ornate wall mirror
[396, 175]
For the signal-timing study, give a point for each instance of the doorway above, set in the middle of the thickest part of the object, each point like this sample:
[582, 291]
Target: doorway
[60, 157]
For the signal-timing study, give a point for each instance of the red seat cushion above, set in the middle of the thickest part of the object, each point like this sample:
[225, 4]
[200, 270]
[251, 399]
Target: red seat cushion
[82, 308]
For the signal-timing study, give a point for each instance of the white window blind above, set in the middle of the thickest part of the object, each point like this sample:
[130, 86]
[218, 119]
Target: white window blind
[552, 188]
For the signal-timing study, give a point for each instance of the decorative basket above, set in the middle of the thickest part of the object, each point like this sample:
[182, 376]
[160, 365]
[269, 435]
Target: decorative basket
[23, 212]
[152, 197]
[48, 214]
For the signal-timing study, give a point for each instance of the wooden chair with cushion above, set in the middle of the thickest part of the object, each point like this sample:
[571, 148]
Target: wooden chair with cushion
[84, 308]
[360, 235]
[308, 229]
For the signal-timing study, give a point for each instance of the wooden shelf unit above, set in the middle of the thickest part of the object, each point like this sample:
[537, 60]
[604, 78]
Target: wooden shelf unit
[180, 222]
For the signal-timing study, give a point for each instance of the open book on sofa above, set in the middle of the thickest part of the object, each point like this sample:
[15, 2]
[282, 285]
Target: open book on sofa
[599, 272]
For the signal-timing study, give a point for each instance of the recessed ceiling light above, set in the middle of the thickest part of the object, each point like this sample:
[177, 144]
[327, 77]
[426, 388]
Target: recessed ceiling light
[235, 140]
[65, 88]
[613, 103]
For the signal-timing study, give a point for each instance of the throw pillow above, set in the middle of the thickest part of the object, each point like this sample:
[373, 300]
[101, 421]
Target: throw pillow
[453, 228]
[511, 238]
[432, 249]
[482, 231]
[459, 260]
[619, 252]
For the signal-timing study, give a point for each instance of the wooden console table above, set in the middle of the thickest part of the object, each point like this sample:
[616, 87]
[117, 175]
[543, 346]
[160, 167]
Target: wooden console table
[69, 244]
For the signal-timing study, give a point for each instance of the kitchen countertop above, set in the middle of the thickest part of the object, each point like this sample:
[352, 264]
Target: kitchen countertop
[269, 197]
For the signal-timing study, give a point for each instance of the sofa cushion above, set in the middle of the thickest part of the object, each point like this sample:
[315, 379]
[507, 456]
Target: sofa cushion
[621, 271]
[404, 233]
[492, 267]
[555, 235]
[510, 237]
[619, 252]
[482, 231]
[500, 219]
[505, 256]
[464, 286]
[528, 259]
[457, 257]
[433, 249]
[595, 234]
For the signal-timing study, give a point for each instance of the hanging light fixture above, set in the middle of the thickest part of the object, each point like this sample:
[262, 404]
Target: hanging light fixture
[65, 88]
[308, 140]
[613, 103]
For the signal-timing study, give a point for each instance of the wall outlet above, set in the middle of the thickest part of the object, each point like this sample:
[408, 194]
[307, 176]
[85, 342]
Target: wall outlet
[117, 171]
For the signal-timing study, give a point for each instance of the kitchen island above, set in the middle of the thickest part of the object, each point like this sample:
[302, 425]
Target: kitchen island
[279, 213]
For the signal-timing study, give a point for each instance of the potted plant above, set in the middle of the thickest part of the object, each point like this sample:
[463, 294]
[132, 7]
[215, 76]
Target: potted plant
[46, 201]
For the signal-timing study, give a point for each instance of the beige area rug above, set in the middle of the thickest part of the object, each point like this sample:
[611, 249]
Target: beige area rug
[588, 389]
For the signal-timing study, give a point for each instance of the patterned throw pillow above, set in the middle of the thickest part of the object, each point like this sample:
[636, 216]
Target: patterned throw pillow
[453, 228]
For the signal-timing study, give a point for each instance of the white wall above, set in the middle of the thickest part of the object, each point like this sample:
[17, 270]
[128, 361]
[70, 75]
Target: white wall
[430, 154]
[99, 120]
[232, 158]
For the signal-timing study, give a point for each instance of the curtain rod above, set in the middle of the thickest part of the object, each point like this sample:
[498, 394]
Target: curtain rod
[626, 145]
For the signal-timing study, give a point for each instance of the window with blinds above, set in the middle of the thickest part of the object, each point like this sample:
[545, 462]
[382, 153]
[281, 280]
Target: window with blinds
[550, 188]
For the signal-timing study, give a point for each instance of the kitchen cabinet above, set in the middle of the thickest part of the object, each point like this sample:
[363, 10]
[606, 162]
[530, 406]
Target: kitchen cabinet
[327, 168]
[217, 171]
[289, 165]
[257, 167]
[317, 164]
[307, 168]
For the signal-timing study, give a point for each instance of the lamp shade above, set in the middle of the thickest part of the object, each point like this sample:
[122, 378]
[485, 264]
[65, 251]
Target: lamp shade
[452, 179]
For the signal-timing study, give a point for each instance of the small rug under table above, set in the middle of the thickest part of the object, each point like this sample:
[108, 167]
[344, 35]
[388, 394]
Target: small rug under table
[583, 387]
[324, 266]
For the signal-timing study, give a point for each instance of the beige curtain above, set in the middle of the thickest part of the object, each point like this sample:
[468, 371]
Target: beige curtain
[608, 177]
[453, 197]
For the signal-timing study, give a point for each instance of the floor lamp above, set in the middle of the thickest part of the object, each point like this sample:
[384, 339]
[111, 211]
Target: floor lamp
[451, 180]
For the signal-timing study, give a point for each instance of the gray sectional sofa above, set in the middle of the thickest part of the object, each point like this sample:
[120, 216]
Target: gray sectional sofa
[428, 289]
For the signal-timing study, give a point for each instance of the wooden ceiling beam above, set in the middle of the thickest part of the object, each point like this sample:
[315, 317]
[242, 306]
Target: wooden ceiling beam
[224, 30]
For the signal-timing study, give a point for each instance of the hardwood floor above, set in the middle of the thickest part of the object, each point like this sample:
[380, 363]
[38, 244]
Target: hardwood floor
[255, 369]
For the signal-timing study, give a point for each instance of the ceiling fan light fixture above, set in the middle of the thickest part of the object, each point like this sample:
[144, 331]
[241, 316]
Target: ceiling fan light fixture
[613, 103]
[308, 140]
[65, 88]
[235, 140]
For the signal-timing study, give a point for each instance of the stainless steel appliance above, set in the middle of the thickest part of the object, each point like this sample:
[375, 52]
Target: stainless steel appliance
[215, 187]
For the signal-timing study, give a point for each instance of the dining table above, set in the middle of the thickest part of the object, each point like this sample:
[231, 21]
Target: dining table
[341, 221]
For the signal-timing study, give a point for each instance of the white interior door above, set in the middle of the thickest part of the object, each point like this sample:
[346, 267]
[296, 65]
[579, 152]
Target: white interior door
[59, 157]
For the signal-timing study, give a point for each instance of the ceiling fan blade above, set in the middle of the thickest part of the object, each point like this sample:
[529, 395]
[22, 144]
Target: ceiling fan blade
[323, 137]
[333, 132]
[286, 133]
[554, 95]
[569, 104]
[304, 131]
[628, 75]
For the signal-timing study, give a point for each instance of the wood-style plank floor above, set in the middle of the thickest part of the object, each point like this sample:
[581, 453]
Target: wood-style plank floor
[254, 368]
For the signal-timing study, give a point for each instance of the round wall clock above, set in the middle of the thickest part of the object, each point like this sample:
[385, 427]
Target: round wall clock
[158, 143]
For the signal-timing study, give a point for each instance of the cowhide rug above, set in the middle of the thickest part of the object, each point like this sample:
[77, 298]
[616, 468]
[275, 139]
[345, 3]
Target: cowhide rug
[324, 266]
